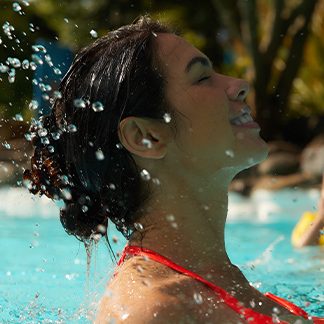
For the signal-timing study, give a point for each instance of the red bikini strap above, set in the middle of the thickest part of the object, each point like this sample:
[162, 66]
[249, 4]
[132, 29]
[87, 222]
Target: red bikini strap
[249, 314]
[287, 304]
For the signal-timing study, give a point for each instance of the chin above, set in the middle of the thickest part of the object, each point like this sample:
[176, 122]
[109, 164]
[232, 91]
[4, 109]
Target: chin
[253, 155]
[258, 156]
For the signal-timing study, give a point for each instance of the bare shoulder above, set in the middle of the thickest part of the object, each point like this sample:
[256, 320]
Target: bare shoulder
[138, 295]
[145, 292]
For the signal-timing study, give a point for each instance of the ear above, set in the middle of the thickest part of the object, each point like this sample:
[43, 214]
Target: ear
[145, 137]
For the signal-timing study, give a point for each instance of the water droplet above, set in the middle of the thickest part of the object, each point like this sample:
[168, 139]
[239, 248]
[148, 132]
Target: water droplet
[139, 269]
[38, 48]
[66, 194]
[7, 29]
[276, 310]
[25, 64]
[124, 316]
[93, 33]
[65, 179]
[112, 186]
[156, 181]
[97, 106]
[6, 145]
[145, 175]
[37, 59]
[33, 66]
[51, 149]
[33, 105]
[95, 237]
[12, 76]
[167, 118]
[18, 117]
[145, 282]
[25, 3]
[13, 61]
[139, 227]
[31, 27]
[119, 146]
[102, 229]
[115, 239]
[57, 71]
[66, 20]
[28, 137]
[16, 7]
[45, 140]
[198, 298]
[229, 153]
[4, 68]
[147, 143]
[57, 94]
[99, 155]
[252, 303]
[174, 225]
[56, 135]
[79, 103]
[84, 208]
[42, 132]
[170, 218]
[72, 128]
[71, 276]
[47, 87]
[48, 60]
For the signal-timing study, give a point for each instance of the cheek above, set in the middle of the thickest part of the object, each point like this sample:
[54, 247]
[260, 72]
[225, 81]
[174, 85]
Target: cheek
[205, 119]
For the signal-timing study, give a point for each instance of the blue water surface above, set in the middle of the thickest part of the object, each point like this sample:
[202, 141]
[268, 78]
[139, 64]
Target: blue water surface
[43, 271]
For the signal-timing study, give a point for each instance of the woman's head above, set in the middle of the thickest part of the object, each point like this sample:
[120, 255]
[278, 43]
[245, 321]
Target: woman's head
[211, 138]
[123, 89]
[78, 156]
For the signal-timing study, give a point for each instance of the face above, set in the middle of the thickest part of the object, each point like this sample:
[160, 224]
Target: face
[216, 130]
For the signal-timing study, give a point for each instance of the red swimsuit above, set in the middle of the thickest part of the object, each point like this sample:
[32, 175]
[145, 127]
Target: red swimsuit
[249, 314]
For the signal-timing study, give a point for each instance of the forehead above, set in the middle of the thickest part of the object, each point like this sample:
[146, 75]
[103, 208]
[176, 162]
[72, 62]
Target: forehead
[175, 52]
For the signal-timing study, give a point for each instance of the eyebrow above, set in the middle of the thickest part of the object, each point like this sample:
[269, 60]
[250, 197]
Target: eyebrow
[198, 59]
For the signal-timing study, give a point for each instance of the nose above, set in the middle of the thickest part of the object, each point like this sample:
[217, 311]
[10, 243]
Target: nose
[237, 89]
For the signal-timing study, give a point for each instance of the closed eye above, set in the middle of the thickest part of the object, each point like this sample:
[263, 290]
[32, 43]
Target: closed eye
[203, 79]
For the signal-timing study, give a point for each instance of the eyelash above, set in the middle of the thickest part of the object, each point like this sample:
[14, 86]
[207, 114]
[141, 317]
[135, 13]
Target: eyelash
[203, 78]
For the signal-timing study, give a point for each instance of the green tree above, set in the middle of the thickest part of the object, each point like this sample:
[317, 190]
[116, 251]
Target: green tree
[275, 33]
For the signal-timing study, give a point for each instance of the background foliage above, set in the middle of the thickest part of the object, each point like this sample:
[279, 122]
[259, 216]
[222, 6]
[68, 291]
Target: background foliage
[277, 45]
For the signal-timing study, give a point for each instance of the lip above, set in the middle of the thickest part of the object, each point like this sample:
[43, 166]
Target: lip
[251, 124]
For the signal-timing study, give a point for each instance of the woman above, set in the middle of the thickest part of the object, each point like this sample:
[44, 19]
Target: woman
[309, 229]
[147, 134]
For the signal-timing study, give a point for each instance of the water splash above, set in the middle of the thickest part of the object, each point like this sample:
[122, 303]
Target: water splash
[266, 255]
[93, 33]
[99, 155]
[145, 175]
[97, 106]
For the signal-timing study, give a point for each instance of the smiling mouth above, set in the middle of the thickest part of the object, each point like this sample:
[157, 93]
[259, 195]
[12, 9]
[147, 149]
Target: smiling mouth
[244, 119]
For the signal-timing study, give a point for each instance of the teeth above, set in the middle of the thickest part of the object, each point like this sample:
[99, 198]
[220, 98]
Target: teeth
[243, 119]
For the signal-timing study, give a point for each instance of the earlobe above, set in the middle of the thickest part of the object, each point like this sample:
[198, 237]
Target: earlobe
[146, 138]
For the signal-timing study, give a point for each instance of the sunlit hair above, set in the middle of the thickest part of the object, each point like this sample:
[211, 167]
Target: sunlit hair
[78, 157]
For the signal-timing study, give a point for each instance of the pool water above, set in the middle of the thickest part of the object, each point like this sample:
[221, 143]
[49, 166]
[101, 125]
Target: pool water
[43, 271]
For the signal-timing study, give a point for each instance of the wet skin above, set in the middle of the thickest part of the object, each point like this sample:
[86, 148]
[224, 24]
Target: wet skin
[185, 218]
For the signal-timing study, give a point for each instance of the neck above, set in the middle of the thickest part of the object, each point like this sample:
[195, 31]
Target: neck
[187, 225]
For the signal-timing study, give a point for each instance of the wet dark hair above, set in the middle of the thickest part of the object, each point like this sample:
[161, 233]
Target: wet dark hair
[78, 157]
